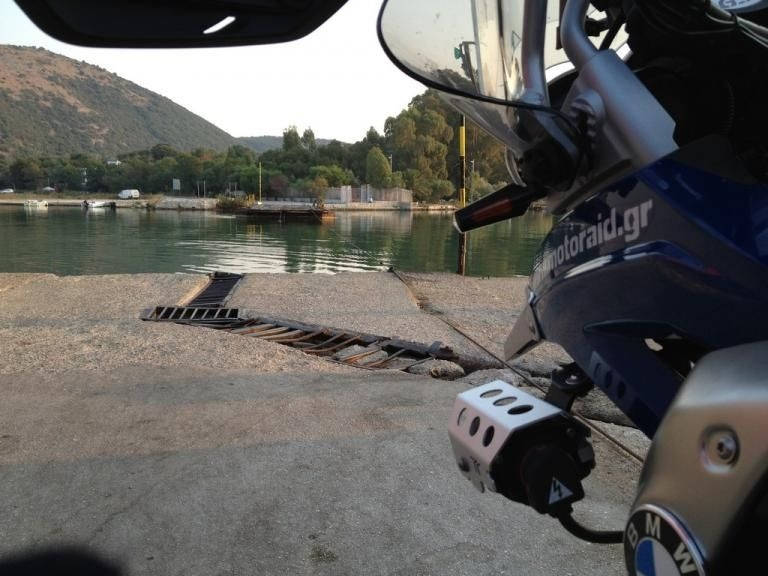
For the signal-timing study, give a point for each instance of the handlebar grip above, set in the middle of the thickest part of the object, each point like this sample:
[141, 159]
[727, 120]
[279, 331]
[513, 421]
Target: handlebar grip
[508, 202]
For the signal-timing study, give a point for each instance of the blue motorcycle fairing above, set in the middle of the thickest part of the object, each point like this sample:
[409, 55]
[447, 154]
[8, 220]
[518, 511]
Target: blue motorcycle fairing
[674, 251]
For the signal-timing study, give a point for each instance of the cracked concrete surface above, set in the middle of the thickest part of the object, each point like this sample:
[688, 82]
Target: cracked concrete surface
[179, 450]
[191, 471]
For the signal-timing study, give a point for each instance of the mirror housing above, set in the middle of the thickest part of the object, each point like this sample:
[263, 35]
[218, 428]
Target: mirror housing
[177, 23]
[489, 59]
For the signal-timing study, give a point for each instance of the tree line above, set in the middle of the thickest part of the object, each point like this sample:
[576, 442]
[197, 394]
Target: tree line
[418, 150]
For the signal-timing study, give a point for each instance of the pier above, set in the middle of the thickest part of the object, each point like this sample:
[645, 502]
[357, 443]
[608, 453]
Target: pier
[286, 213]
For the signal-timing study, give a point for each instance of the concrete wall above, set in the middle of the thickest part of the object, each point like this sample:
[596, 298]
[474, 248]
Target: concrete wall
[186, 203]
[371, 206]
[349, 195]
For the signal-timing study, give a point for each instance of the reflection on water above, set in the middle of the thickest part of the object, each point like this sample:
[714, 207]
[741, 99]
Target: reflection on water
[74, 241]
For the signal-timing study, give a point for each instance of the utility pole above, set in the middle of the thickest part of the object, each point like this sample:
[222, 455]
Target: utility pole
[471, 180]
[462, 195]
[259, 182]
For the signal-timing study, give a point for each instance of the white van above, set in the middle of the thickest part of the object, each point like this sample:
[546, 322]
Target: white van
[128, 194]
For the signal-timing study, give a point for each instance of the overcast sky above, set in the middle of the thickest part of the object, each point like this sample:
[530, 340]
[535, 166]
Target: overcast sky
[337, 80]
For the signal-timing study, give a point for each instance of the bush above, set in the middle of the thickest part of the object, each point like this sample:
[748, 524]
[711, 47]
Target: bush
[229, 204]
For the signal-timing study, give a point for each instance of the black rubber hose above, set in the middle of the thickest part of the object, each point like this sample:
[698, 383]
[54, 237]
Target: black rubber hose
[612, 31]
[594, 536]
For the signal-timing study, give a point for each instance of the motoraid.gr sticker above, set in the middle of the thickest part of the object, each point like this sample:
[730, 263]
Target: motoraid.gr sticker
[623, 224]
[655, 544]
[741, 5]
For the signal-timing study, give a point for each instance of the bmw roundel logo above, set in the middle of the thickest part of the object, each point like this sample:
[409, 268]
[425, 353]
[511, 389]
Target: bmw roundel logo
[656, 544]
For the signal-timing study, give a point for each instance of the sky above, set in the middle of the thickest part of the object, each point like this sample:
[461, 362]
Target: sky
[336, 81]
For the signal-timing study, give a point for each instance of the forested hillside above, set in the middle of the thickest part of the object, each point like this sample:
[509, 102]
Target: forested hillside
[53, 105]
[417, 150]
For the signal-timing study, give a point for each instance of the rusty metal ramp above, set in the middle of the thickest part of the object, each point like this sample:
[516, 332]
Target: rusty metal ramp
[353, 348]
[216, 293]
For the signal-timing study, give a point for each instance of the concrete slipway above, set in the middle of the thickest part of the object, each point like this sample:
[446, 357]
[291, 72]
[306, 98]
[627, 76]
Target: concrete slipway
[180, 450]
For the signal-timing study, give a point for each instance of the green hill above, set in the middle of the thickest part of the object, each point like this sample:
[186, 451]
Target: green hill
[261, 144]
[53, 105]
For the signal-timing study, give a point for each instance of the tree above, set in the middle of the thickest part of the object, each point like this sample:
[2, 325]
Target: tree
[5, 177]
[136, 171]
[317, 188]
[308, 141]
[441, 189]
[377, 170]
[419, 184]
[248, 177]
[398, 180]
[162, 175]
[333, 153]
[333, 175]
[239, 155]
[25, 173]
[488, 153]
[278, 183]
[160, 151]
[356, 157]
[373, 138]
[291, 139]
[189, 168]
[421, 139]
[479, 187]
[115, 178]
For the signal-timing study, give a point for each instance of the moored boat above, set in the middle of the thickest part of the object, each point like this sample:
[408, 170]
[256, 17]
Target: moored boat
[97, 204]
[35, 203]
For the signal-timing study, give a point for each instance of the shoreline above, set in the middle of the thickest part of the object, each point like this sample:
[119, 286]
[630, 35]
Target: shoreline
[211, 204]
[155, 202]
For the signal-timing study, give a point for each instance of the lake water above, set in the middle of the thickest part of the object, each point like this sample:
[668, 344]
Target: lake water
[72, 241]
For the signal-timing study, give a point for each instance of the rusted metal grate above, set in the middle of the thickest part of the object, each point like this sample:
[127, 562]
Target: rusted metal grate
[191, 314]
[375, 352]
[207, 309]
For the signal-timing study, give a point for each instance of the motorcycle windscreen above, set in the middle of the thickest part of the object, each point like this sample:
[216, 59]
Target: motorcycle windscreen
[468, 49]
[469, 46]
[473, 49]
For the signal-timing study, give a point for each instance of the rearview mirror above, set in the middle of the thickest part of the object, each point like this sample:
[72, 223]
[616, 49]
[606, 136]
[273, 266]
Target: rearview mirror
[178, 23]
[473, 48]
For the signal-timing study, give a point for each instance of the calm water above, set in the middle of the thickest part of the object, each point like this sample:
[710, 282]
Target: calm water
[72, 241]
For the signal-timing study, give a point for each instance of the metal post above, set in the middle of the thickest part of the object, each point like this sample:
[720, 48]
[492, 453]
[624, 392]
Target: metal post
[259, 183]
[462, 195]
[471, 192]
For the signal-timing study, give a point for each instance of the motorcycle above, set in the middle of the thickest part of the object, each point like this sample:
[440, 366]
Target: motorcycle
[642, 126]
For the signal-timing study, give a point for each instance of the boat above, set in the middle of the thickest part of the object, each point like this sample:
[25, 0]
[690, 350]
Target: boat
[35, 203]
[97, 204]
